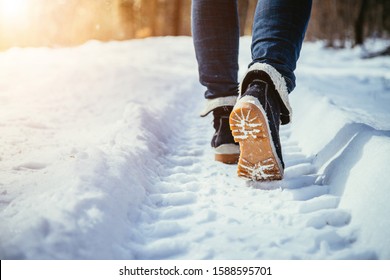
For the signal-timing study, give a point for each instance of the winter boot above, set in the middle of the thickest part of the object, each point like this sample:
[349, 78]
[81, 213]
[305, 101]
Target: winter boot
[226, 150]
[255, 122]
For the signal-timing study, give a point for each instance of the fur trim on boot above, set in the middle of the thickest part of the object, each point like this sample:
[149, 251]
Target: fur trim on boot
[280, 86]
[214, 103]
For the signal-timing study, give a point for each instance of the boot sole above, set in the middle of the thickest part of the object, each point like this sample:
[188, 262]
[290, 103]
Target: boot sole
[227, 159]
[227, 153]
[258, 159]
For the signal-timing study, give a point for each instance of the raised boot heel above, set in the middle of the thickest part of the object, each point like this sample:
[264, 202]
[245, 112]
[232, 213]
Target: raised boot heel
[258, 159]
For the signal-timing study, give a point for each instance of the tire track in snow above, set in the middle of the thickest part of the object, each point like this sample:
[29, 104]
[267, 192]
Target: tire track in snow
[202, 210]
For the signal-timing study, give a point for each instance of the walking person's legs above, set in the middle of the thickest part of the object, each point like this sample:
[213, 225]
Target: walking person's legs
[278, 32]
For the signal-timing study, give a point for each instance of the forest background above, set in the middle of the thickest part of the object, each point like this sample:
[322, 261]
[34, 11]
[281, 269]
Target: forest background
[58, 23]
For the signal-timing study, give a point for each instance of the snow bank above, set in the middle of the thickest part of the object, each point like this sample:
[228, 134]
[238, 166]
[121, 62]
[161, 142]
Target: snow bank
[345, 126]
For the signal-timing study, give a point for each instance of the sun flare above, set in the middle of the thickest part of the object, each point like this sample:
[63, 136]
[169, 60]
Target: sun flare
[12, 11]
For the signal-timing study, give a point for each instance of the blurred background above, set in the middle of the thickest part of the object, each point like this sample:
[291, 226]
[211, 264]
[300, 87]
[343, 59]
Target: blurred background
[57, 23]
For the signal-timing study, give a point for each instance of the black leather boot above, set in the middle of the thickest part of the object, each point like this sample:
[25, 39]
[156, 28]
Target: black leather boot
[226, 150]
[254, 122]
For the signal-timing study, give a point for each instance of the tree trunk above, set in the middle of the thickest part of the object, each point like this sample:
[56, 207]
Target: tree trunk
[359, 23]
[177, 17]
[243, 13]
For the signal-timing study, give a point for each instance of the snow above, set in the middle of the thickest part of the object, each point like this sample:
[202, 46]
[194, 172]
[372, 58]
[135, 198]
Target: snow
[103, 156]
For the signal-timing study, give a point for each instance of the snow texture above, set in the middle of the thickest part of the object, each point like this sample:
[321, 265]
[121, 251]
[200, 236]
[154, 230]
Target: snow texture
[103, 156]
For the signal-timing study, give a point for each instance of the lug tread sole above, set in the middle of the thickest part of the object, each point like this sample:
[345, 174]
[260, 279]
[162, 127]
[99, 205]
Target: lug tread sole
[257, 160]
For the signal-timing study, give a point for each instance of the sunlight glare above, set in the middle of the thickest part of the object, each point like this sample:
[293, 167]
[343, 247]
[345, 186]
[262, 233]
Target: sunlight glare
[12, 10]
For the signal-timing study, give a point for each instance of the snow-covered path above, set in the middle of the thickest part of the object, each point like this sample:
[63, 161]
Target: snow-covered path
[200, 210]
[106, 158]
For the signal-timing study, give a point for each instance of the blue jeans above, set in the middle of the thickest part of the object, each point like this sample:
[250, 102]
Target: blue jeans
[279, 28]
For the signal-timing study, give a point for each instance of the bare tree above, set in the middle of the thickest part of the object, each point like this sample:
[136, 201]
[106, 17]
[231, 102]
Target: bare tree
[243, 7]
[359, 23]
[177, 18]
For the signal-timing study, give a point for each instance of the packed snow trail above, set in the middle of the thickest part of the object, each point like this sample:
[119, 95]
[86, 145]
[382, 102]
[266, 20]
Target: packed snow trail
[202, 210]
[107, 158]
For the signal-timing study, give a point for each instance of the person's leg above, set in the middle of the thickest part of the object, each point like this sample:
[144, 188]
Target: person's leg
[278, 32]
[215, 31]
[279, 28]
